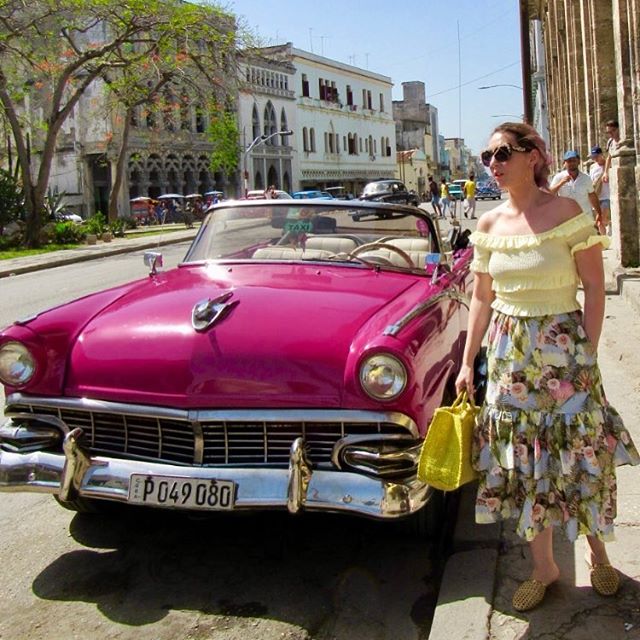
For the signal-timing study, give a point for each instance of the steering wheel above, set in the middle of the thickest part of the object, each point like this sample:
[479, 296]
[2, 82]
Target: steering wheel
[383, 245]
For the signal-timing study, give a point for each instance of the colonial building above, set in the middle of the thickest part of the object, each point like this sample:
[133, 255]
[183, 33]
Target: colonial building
[412, 169]
[417, 128]
[266, 106]
[344, 125]
[592, 75]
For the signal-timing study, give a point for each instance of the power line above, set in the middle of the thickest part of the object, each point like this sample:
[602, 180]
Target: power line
[464, 84]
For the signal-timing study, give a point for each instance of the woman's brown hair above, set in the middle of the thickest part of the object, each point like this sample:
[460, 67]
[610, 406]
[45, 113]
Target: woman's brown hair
[526, 136]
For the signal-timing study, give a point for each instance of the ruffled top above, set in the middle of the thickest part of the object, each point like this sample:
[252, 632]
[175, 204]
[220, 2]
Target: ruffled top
[535, 274]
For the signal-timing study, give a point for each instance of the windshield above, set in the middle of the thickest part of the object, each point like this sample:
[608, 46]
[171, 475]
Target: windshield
[377, 234]
[377, 187]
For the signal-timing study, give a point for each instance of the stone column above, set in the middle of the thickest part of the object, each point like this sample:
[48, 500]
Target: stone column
[605, 106]
[624, 174]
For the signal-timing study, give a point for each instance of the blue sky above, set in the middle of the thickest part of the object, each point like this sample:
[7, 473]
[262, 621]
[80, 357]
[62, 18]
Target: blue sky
[412, 40]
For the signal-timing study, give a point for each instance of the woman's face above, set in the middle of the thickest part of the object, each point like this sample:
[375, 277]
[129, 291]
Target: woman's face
[515, 168]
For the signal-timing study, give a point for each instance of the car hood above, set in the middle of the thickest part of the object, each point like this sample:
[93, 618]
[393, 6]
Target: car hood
[284, 341]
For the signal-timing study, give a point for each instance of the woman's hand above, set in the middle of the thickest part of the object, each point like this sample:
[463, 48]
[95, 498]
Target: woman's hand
[465, 380]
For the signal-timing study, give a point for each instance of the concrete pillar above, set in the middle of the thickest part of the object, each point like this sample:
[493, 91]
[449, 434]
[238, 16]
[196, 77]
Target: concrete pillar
[605, 104]
[625, 174]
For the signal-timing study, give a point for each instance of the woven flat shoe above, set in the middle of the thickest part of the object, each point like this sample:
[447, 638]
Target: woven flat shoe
[604, 579]
[529, 595]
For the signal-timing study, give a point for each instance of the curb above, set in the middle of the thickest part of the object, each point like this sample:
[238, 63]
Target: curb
[470, 576]
[70, 256]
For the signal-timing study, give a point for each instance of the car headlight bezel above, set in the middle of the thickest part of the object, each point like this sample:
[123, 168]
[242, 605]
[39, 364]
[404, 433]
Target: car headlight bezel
[383, 376]
[18, 365]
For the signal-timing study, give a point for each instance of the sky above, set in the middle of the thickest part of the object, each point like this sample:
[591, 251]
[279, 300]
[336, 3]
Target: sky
[410, 40]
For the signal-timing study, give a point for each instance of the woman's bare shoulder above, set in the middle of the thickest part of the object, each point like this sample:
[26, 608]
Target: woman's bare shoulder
[489, 218]
[561, 209]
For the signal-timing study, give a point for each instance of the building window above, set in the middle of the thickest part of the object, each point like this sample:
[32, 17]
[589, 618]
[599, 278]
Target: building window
[312, 140]
[305, 139]
[364, 98]
[366, 146]
[337, 143]
[359, 145]
[321, 89]
[305, 85]
[382, 102]
[283, 127]
[326, 143]
[369, 104]
[255, 123]
[270, 124]
[349, 96]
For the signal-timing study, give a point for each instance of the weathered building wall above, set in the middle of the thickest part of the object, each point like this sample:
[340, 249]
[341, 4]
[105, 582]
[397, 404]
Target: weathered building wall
[592, 62]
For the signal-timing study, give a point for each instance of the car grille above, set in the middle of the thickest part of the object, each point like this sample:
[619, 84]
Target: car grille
[206, 442]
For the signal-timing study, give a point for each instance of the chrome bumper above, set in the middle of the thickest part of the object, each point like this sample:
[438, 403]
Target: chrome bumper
[75, 474]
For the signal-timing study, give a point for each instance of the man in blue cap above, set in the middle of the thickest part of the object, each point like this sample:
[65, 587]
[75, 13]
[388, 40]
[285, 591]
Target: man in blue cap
[573, 183]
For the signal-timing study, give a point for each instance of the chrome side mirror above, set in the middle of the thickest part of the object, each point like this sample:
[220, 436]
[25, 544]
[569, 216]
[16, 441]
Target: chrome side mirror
[153, 260]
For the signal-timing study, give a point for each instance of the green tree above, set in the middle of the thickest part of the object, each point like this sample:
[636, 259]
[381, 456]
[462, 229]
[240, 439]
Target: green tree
[51, 51]
[223, 133]
[10, 199]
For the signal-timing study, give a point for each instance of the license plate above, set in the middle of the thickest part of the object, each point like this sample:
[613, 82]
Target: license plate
[182, 493]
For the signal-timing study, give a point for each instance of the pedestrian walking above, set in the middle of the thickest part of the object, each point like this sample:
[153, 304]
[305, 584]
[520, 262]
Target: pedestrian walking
[612, 128]
[546, 442]
[600, 187]
[445, 197]
[575, 184]
[469, 207]
[434, 194]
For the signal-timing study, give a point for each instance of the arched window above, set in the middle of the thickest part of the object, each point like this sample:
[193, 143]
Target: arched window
[283, 127]
[255, 122]
[270, 123]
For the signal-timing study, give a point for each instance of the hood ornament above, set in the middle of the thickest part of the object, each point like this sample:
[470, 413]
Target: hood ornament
[209, 311]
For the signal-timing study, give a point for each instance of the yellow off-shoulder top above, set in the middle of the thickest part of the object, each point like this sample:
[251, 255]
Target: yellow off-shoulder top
[535, 274]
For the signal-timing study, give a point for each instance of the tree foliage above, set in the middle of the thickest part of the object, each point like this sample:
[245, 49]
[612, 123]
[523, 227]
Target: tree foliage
[10, 199]
[223, 133]
[52, 51]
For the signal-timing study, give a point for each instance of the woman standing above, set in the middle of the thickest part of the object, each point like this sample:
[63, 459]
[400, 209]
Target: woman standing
[445, 196]
[547, 441]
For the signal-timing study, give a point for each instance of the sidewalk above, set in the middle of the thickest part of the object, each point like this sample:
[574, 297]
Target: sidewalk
[132, 241]
[489, 561]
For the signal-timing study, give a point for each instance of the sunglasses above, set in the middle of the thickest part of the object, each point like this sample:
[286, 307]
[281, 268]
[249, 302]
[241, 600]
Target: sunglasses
[501, 153]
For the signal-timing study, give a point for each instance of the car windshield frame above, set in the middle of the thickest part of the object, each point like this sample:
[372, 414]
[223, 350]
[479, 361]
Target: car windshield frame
[327, 232]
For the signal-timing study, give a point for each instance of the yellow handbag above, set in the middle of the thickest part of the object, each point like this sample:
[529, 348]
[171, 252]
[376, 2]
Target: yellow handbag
[445, 457]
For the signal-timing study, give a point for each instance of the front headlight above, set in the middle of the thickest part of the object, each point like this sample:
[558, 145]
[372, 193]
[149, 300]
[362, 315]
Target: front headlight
[17, 364]
[383, 377]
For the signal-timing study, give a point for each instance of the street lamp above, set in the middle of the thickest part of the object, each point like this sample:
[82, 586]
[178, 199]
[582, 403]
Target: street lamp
[491, 86]
[256, 141]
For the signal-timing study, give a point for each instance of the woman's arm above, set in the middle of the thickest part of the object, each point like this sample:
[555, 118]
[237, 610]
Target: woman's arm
[479, 316]
[591, 272]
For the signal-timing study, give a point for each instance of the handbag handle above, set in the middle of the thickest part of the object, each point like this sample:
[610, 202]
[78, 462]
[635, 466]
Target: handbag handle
[464, 398]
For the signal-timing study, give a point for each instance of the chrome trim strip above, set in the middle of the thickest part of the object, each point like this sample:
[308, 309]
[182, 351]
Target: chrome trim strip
[219, 415]
[395, 328]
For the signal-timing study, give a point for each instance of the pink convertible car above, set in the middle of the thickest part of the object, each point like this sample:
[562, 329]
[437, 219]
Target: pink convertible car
[293, 360]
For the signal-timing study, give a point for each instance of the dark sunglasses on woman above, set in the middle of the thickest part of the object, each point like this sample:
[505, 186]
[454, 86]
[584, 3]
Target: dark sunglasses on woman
[501, 153]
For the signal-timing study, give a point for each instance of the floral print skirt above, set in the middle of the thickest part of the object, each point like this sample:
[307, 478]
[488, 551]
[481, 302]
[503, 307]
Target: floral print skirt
[547, 442]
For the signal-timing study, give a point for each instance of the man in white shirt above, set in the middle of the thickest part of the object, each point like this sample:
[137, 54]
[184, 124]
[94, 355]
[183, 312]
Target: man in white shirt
[573, 183]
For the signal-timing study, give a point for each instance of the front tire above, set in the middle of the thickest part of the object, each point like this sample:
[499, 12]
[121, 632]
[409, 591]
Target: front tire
[83, 505]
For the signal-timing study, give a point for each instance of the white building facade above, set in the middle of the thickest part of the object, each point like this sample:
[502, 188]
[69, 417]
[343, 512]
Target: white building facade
[344, 128]
[266, 106]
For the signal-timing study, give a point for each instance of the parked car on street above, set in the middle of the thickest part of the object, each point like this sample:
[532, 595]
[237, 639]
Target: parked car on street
[456, 191]
[488, 192]
[312, 194]
[339, 192]
[274, 368]
[258, 194]
[68, 216]
[389, 191]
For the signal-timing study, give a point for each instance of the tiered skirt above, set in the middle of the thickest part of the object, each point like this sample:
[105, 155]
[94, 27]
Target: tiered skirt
[547, 442]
